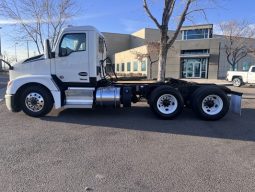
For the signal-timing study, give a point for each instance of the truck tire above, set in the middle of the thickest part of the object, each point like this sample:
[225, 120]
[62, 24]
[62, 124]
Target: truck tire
[237, 82]
[36, 101]
[166, 102]
[210, 103]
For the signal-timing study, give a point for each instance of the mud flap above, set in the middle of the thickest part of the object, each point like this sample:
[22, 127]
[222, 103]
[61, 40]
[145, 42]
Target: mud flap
[236, 103]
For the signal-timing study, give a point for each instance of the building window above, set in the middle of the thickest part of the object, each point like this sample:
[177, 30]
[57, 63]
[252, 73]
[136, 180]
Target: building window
[246, 66]
[197, 34]
[194, 67]
[135, 67]
[122, 66]
[144, 66]
[118, 67]
[128, 66]
[195, 52]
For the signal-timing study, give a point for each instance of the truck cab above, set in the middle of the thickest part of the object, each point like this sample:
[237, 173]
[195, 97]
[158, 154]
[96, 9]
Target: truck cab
[74, 59]
[72, 64]
[74, 75]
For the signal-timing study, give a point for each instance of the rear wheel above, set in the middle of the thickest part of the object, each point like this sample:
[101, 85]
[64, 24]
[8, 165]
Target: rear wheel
[210, 103]
[166, 102]
[36, 101]
[237, 82]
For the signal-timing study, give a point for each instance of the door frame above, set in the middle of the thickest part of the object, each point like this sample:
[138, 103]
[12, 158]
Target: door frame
[193, 68]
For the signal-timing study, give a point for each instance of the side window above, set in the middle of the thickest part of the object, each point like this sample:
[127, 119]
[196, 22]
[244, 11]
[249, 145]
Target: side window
[72, 43]
[143, 67]
[118, 68]
[253, 69]
[123, 67]
[101, 45]
[135, 67]
[128, 66]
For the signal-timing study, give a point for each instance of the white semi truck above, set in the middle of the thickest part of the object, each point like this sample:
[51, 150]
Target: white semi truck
[73, 75]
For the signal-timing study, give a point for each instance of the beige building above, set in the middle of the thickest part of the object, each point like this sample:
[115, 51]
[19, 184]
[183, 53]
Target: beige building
[196, 53]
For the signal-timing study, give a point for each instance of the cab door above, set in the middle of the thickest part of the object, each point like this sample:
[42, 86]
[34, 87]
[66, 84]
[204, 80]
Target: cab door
[71, 61]
[251, 75]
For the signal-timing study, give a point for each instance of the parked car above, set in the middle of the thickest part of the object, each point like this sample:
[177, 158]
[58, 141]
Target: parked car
[240, 78]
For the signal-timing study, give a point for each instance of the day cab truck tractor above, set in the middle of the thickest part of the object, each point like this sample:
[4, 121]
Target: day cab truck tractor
[73, 75]
[240, 78]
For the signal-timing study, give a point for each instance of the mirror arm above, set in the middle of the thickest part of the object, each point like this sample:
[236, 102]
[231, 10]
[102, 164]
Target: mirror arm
[7, 63]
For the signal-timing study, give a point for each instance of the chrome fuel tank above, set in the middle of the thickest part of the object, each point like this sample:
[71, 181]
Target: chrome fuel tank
[108, 96]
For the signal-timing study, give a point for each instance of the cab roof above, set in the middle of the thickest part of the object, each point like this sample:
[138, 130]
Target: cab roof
[81, 28]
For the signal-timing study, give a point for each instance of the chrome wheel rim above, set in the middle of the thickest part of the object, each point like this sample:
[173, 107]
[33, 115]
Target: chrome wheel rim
[34, 102]
[237, 82]
[167, 104]
[212, 104]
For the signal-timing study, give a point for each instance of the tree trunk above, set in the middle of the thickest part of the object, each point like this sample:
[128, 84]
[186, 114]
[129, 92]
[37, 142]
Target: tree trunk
[233, 67]
[150, 70]
[162, 56]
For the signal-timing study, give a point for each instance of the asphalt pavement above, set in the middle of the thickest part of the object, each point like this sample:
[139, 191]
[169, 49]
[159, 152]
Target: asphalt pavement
[78, 150]
[3, 82]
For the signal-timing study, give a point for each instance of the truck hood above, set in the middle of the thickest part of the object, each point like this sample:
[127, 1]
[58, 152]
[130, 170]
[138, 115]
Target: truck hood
[35, 58]
[36, 65]
[31, 59]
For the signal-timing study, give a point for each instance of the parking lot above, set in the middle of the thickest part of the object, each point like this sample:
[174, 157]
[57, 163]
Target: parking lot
[127, 150]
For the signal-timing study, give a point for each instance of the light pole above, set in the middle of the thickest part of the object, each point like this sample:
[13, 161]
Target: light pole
[27, 49]
[16, 51]
[1, 56]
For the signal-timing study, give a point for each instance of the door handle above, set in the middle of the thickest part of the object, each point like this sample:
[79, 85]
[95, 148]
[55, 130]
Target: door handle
[83, 74]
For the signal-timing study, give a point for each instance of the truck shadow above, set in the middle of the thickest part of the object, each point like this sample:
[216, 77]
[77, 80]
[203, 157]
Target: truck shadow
[142, 119]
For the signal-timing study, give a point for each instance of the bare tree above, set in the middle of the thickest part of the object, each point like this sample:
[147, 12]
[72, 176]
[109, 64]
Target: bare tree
[170, 6]
[150, 54]
[237, 44]
[38, 19]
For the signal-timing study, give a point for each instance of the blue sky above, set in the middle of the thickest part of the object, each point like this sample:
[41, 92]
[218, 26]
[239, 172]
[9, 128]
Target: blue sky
[126, 16]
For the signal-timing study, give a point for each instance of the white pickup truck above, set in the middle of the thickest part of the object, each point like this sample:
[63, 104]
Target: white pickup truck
[241, 77]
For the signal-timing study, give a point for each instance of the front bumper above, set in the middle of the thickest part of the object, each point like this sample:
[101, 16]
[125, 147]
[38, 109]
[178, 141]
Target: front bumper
[11, 104]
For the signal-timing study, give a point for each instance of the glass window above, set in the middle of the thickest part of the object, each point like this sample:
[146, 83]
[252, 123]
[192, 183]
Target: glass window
[253, 69]
[135, 66]
[101, 45]
[194, 68]
[197, 34]
[123, 67]
[195, 52]
[143, 67]
[72, 43]
[118, 67]
[246, 66]
[128, 66]
[210, 33]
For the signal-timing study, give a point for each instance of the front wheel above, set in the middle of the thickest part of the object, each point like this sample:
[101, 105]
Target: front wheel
[166, 102]
[36, 101]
